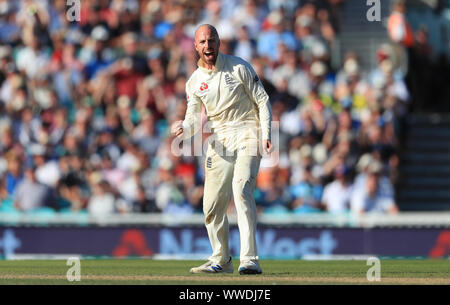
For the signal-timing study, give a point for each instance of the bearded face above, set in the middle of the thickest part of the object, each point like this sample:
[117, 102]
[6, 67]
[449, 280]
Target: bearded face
[207, 44]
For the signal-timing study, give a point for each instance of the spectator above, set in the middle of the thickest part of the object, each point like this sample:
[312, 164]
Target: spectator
[129, 69]
[13, 175]
[94, 51]
[32, 59]
[271, 41]
[47, 171]
[307, 194]
[168, 196]
[6, 200]
[272, 195]
[71, 194]
[142, 204]
[370, 196]
[244, 47]
[192, 191]
[367, 164]
[289, 77]
[250, 15]
[337, 194]
[102, 201]
[144, 134]
[398, 27]
[30, 194]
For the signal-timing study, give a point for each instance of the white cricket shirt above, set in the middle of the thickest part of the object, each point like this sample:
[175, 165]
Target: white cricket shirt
[232, 95]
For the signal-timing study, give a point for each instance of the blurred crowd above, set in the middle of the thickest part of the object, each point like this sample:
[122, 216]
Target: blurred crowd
[86, 105]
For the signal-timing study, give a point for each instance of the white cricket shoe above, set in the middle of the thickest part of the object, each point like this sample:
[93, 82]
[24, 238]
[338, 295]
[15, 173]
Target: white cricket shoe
[250, 267]
[211, 267]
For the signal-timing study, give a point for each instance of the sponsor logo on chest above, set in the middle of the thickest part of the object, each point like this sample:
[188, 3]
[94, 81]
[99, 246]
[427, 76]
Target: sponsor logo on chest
[203, 86]
[203, 90]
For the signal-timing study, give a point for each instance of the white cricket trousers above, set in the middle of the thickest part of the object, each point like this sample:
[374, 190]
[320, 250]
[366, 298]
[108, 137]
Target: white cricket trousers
[227, 176]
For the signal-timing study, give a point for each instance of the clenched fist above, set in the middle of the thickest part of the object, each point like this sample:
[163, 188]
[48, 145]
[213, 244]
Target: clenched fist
[177, 128]
[267, 146]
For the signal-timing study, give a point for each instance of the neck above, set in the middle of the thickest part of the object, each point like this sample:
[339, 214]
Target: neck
[205, 65]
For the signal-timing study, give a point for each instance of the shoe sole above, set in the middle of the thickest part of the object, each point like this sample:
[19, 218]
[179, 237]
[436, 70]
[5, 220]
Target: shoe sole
[249, 271]
[209, 272]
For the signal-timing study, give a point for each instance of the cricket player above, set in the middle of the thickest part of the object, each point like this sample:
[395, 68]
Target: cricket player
[238, 108]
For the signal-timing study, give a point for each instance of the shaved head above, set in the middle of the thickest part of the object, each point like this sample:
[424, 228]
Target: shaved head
[207, 44]
[206, 27]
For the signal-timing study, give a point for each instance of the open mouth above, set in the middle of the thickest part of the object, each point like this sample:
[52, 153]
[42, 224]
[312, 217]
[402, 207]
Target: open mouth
[209, 55]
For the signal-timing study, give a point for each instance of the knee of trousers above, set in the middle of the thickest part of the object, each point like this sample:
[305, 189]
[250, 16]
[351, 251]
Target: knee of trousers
[215, 207]
[243, 189]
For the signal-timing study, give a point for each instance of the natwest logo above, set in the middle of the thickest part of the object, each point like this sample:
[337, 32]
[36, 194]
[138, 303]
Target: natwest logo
[132, 242]
[442, 246]
[270, 243]
[203, 86]
[9, 243]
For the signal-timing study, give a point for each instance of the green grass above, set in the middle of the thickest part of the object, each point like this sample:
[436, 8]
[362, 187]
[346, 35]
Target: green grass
[146, 271]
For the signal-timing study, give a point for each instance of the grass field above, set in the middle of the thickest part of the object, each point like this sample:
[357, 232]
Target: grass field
[157, 272]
